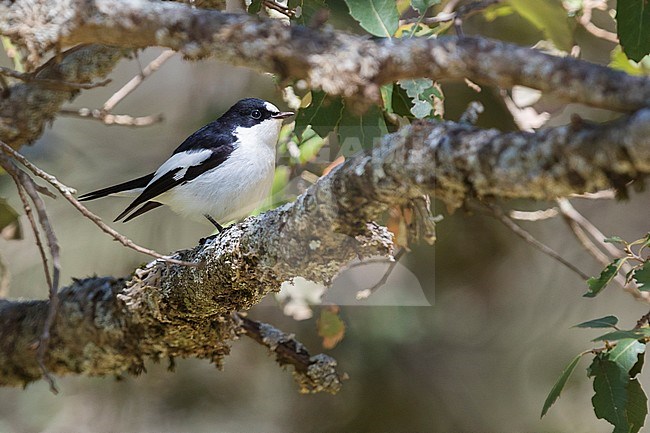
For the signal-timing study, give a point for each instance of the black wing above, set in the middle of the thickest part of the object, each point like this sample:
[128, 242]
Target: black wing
[212, 136]
[140, 182]
[170, 179]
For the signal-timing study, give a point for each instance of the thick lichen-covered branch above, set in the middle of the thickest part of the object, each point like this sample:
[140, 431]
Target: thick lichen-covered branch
[27, 107]
[109, 326]
[337, 62]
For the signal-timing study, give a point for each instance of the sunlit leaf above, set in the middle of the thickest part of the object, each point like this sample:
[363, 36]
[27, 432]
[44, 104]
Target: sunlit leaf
[550, 17]
[626, 353]
[603, 322]
[559, 385]
[618, 60]
[642, 277]
[377, 17]
[636, 334]
[422, 5]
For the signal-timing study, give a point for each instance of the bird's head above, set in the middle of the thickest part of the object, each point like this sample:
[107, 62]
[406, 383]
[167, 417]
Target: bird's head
[256, 120]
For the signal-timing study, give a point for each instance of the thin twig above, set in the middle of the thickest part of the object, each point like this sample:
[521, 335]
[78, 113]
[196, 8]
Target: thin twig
[537, 215]
[104, 114]
[271, 4]
[569, 211]
[581, 226]
[25, 184]
[133, 84]
[364, 294]
[525, 235]
[49, 82]
[585, 20]
[112, 119]
[606, 194]
[53, 245]
[68, 192]
[10, 168]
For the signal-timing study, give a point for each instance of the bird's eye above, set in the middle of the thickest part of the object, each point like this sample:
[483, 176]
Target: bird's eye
[256, 114]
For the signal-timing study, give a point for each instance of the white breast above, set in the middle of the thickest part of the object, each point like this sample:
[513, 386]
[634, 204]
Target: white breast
[238, 186]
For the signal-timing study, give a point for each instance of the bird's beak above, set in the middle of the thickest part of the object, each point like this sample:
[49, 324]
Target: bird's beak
[282, 115]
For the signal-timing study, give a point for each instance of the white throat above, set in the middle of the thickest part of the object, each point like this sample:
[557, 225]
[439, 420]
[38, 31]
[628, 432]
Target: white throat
[263, 134]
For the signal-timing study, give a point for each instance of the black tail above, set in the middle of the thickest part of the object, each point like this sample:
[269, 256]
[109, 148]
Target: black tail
[140, 182]
[145, 208]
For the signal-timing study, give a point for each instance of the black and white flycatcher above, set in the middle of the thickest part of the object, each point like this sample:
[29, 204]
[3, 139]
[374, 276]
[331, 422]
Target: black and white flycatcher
[223, 171]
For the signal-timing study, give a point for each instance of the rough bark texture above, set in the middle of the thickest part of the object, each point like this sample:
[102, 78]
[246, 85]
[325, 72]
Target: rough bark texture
[336, 62]
[26, 108]
[108, 326]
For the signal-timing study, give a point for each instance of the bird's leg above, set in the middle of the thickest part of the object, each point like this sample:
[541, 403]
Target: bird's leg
[214, 222]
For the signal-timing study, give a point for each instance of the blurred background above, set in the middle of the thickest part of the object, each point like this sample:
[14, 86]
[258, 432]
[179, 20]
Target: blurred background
[476, 337]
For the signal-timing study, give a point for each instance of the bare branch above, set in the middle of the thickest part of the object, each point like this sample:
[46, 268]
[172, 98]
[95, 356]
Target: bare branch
[186, 311]
[68, 192]
[525, 235]
[340, 63]
[50, 83]
[133, 84]
[112, 119]
[24, 184]
[313, 373]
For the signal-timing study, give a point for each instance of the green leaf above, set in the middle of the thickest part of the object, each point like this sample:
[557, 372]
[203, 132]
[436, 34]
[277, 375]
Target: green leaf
[610, 398]
[550, 17]
[357, 132]
[596, 285]
[633, 27]
[330, 326]
[377, 17]
[615, 240]
[603, 322]
[637, 406]
[626, 353]
[421, 91]
[642, 277]
[323, 114]
[636, 334]
[9, 223]
[636, 369]
[255, 6]
[422, 5]
[559, 385]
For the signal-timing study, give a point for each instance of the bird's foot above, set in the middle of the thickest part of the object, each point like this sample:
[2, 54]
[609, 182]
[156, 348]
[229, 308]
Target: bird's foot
[209, 238]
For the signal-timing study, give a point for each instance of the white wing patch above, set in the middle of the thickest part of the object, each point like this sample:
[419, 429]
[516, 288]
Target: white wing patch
[183, 160]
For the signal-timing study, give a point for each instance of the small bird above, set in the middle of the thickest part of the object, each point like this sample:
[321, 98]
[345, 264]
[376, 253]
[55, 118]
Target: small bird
[222, 172]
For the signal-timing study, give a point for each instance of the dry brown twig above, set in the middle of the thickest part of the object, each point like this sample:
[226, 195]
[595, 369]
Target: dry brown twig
[498, 213]
[104, 114]
[26, 187]
[68, 192]
[593, 240]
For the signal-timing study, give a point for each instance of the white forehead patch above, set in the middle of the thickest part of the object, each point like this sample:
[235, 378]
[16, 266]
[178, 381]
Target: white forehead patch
[270, 107]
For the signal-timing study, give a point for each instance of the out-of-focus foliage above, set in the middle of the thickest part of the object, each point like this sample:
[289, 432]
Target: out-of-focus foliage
[633, 25]
[619, 397]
